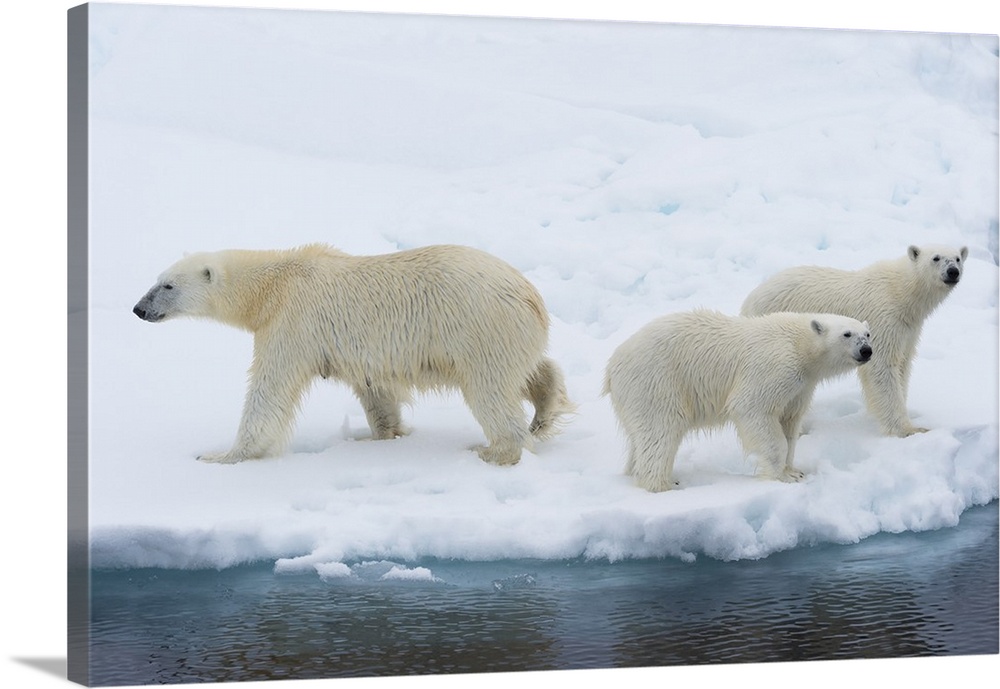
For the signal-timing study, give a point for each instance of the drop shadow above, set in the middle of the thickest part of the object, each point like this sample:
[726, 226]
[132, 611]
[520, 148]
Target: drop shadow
[50, 666]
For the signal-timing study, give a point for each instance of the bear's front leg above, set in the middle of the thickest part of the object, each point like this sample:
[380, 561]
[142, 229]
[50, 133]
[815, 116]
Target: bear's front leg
[884, 390]
[790, 475]
[221, 458]
[791, 426]
[271, 402]
[764, 438]
[382, 410]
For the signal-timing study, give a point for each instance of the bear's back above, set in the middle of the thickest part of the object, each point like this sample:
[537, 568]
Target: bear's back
[819, 289]
[442, 310]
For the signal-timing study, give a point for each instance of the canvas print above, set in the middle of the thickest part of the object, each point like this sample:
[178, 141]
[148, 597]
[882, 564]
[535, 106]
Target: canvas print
[415, 345]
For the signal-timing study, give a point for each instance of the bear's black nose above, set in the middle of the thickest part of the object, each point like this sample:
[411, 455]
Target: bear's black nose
[952, 273]
[866, 353]
[139, 312]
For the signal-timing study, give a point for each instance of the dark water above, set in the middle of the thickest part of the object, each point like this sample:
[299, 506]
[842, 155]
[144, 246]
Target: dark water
[893, 595]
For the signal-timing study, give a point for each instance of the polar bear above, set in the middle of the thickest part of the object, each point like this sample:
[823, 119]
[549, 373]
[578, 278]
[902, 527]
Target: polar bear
[702, 369]
[428, 318]
[895, 296]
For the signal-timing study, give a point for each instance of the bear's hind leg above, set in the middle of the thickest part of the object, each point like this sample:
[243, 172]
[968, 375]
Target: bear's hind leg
[502, 419]
[651, 458]
[383, 411]
[546, 390]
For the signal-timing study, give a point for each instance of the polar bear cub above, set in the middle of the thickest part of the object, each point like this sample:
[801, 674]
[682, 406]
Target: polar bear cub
[895, 296]
[427, 318]
[702, 369]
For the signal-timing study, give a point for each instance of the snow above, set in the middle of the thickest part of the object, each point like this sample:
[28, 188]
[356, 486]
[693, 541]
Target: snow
[363, 571]
[628, 170]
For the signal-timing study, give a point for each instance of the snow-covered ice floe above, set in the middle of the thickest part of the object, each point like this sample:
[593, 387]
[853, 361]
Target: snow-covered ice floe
[628, 170]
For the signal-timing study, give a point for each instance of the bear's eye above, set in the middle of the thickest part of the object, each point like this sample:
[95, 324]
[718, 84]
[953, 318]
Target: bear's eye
[847, 334]
[168, 286]
[936, 259]
[958, 259]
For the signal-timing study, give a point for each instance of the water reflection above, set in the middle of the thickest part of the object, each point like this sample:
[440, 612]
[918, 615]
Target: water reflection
[890, 596]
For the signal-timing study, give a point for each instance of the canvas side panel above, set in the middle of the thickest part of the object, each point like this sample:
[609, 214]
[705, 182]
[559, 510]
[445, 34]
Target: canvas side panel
[78, 575]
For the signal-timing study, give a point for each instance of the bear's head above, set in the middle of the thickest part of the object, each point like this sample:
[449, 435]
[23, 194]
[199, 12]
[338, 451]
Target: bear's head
[847, 341]
[184, 289]
[940, 264]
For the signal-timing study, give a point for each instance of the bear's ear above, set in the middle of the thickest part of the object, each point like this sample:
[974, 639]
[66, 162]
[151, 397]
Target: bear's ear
[817, 327]
[913, 252]
[206, 274]
[964, 251]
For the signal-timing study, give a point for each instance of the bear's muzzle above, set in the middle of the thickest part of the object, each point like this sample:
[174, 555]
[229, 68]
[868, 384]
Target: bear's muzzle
[864, 354]
[146, 315]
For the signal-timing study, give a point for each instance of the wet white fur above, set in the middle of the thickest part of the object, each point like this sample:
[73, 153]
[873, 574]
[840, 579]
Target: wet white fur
[702, 369]
[434, 317]
[895, 297]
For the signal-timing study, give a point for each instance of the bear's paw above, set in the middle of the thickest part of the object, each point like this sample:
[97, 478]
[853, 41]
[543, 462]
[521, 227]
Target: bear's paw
[220, 458]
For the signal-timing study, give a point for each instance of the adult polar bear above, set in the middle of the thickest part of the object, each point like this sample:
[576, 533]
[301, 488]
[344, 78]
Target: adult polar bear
[895, 296]
[433, 317]
[702, 369]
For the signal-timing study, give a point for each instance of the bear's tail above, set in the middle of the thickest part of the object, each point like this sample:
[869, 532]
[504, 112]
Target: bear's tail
[546, 390]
